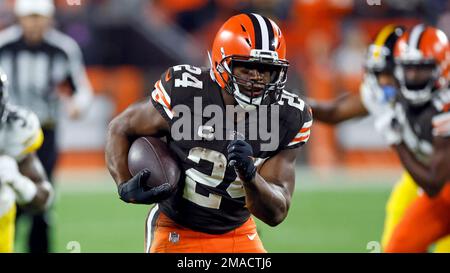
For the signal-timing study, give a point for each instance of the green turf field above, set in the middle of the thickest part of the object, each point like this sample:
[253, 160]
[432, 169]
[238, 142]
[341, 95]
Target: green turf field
[338, 216]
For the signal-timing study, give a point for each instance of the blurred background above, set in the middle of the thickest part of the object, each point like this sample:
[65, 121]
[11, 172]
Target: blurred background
[345, 172]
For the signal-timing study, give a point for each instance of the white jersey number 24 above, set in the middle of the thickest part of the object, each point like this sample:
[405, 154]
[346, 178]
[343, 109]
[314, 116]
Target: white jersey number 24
[193, 176]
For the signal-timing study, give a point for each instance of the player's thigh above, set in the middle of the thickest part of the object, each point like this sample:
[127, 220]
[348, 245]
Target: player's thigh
[7, 229]
[404, 192]
[443, 245]
[247, 239]
[250, 243]
[243, 239]
[424, 222]
[162, 235]
[168, 237]
[182, 241]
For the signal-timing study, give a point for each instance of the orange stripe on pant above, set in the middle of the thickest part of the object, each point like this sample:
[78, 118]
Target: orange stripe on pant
[424, 222]
[165, 236]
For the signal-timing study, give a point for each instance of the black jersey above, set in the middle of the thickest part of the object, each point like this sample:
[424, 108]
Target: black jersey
[211, 197]
[422, 124]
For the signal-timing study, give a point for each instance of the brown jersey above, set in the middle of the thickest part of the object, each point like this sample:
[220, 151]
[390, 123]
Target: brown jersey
[421, 124]
[211, 197]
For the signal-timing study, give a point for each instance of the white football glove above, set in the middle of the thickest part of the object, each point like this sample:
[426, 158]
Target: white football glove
[388, 127]
[24, 188]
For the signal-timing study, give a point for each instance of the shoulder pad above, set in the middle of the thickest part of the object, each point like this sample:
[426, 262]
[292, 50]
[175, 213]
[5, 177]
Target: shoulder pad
[176, 85]
[23, 133]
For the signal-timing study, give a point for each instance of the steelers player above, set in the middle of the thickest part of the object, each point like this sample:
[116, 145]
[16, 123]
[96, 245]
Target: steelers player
[22, 177]
[226, 180]
[377, 95]
[418, 129]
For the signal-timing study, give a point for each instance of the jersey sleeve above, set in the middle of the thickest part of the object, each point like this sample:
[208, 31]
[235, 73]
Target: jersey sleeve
[298, 122]
[161, 96]
[24, 135]
[441, 124]
[441, 121]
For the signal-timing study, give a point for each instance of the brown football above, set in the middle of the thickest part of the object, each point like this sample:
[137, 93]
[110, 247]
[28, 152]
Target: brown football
[153, 154]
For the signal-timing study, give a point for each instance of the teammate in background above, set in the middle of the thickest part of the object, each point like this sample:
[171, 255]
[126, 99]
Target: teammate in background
[22, 177]
[38, 59]
[225, 180]
[418, 128]
[377, 95]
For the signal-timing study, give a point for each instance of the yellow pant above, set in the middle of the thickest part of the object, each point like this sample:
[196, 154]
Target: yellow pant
[403, 194]
[7, 228]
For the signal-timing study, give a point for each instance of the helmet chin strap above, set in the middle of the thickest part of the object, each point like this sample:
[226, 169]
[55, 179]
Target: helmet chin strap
[243, 100]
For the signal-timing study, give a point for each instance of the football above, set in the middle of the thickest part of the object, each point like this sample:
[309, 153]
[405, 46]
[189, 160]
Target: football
[153, 154]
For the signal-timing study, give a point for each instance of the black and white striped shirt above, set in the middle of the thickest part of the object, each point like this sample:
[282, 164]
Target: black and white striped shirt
[34, 72]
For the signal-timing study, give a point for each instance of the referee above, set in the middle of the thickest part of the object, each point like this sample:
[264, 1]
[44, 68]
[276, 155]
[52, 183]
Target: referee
[38, 59]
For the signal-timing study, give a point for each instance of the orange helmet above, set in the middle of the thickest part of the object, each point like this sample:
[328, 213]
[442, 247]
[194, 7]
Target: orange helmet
[255, 40]
[425, 48]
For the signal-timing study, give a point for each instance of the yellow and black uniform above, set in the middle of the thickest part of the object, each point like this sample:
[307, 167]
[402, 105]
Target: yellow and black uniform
[20, 135]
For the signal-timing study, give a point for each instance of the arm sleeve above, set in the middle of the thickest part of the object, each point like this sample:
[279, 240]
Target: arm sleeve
[300, 135]
[441, 125]
[161, 95]
[297, 121]
[441, 121]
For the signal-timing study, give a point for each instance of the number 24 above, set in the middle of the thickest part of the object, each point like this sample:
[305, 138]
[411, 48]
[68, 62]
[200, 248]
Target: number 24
[187, 79]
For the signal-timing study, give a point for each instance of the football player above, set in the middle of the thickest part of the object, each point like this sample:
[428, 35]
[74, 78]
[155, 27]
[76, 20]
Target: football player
[418, 128]
[22, 177]
[377, 95]
[377, 89]
[225, 180]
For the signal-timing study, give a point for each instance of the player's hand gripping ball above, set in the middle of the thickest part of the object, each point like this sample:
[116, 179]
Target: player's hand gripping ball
[155, 172]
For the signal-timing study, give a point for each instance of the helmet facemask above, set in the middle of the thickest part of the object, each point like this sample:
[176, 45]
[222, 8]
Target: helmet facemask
[250, 93]
[417, 80]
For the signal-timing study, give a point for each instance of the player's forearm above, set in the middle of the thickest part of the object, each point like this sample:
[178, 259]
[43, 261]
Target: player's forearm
[325, 112]
[31, 167]
[43, 197]
[139, 119]
[28, 194]
[341, 109]
[116, 152]
[266, 201]
[422, 175]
